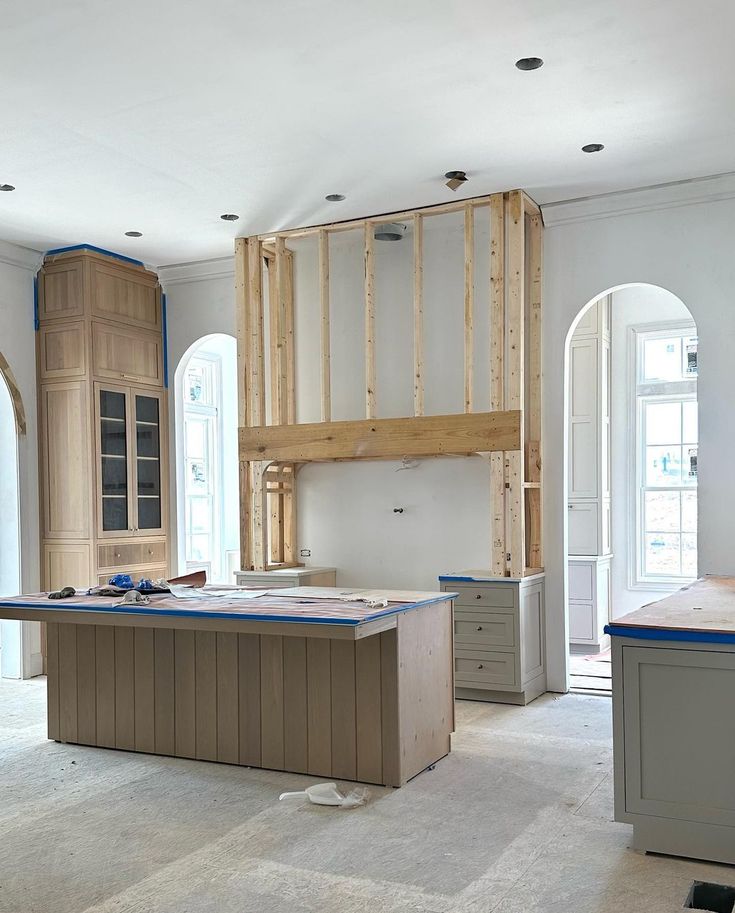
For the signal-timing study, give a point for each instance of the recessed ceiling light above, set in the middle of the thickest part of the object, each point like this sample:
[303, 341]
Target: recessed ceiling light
[335, 197]
[529, 63]
[6, 187]
[133, 234]
[229, 217]
[593, 147]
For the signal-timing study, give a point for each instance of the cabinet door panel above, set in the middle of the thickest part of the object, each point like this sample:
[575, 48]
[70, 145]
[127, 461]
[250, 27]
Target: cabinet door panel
[113, 446]
[65, 456]
[126, 355]
[61, 290]
[124, 297]
[62, 350]
[679, 734]
[148, 410]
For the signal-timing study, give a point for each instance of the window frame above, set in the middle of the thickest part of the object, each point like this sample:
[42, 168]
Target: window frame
[642, 393]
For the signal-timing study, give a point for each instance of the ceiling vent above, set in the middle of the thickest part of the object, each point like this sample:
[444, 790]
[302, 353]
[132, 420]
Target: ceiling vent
[390, 231]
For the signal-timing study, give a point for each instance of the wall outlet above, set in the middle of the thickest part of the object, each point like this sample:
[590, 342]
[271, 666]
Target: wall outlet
[305, 553]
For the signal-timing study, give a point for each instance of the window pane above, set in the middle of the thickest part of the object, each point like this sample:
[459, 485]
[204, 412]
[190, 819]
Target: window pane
[690, 356]
[689, 554]
[690, 435]
[200, 515]
[662, 359]
[689, 469]
[198, 388]
[197, 476]
[663, 423]
[689, 511]
[662, 511]
[195, 439]
[661, 554]
[663, 466]
[200, 548]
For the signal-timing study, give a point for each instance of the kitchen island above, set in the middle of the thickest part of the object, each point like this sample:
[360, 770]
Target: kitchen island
[674, 721]
[328, 682]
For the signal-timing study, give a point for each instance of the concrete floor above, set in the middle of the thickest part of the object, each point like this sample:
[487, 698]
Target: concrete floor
[517, 818]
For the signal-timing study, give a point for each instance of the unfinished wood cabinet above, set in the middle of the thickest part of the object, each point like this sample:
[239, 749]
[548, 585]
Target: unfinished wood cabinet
[102, 420]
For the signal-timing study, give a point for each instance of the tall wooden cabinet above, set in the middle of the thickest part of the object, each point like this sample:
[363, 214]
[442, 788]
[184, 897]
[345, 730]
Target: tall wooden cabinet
[102, 420]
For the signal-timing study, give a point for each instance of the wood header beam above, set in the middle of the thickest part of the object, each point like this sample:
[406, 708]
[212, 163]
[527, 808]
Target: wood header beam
[386, 438]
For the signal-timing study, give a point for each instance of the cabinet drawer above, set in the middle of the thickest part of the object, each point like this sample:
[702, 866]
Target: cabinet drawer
[126, 354]
[484, 629]
[484, 667]
[497, 596]
[152, 573]
[130, 554]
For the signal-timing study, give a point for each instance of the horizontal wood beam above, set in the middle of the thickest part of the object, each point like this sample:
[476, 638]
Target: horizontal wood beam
[386, 438]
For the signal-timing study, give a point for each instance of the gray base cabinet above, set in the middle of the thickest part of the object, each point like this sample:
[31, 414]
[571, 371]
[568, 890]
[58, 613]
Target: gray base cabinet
[499, 645]
[674, 727]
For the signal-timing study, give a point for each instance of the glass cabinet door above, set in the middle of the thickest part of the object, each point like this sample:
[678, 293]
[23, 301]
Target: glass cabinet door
[147, 411]
[114, 460]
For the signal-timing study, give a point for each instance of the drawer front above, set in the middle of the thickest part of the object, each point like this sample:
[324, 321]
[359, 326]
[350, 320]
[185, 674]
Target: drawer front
[496, 596]
[484, 629]
[152, 573]
[581, 581]
[581, 621]
[131, 554]
[484, 667]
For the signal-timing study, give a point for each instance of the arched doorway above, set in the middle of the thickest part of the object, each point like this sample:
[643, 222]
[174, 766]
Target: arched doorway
[207, 482]
[11, 632]
[630, 464]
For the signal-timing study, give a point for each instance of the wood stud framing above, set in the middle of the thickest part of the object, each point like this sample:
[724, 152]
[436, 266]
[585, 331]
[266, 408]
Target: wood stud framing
[510, 434]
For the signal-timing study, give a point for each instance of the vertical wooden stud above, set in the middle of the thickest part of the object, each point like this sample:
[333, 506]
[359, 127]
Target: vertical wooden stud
[274, 339]
[369, 320]
[243, 315]
[256, 414]
[418, 314]
[497, 377]
[324, 337]
[469, 296]
[289, 391]
[514, 395]
[534, 456]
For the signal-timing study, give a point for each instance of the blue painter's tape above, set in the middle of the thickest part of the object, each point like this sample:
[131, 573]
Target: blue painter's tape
[164, 327]
[693, 637]
[36, 323]
[99, 250]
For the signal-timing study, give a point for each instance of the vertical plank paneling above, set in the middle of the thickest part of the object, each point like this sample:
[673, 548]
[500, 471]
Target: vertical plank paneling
[271, 701]
[344, 735]
[228, 745]
[86, 674]
[164, 703]
[319, 706]
[367, 709]
[145, 707]
[469, 305]
[185, 693]
[125, 688]
[105, 673]
[52, 680]
[295, 747]
[369, 320]
[249, 698]
[68, 682]
[418, 314]
[206, 695]
[389, 706]
[324, 336]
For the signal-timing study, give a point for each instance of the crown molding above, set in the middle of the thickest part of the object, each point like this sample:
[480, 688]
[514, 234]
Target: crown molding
[197, 271]
[710, 189]
[22, 257]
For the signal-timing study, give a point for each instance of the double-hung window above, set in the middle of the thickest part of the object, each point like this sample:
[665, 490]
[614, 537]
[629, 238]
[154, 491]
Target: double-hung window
[666, 455]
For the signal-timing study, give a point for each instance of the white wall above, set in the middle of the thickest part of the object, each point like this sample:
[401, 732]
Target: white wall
[18, 345]
[631, 307]
[679, 238]
[200, 300]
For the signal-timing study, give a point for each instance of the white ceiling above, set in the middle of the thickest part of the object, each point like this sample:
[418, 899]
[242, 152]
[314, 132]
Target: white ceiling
[161, 116]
